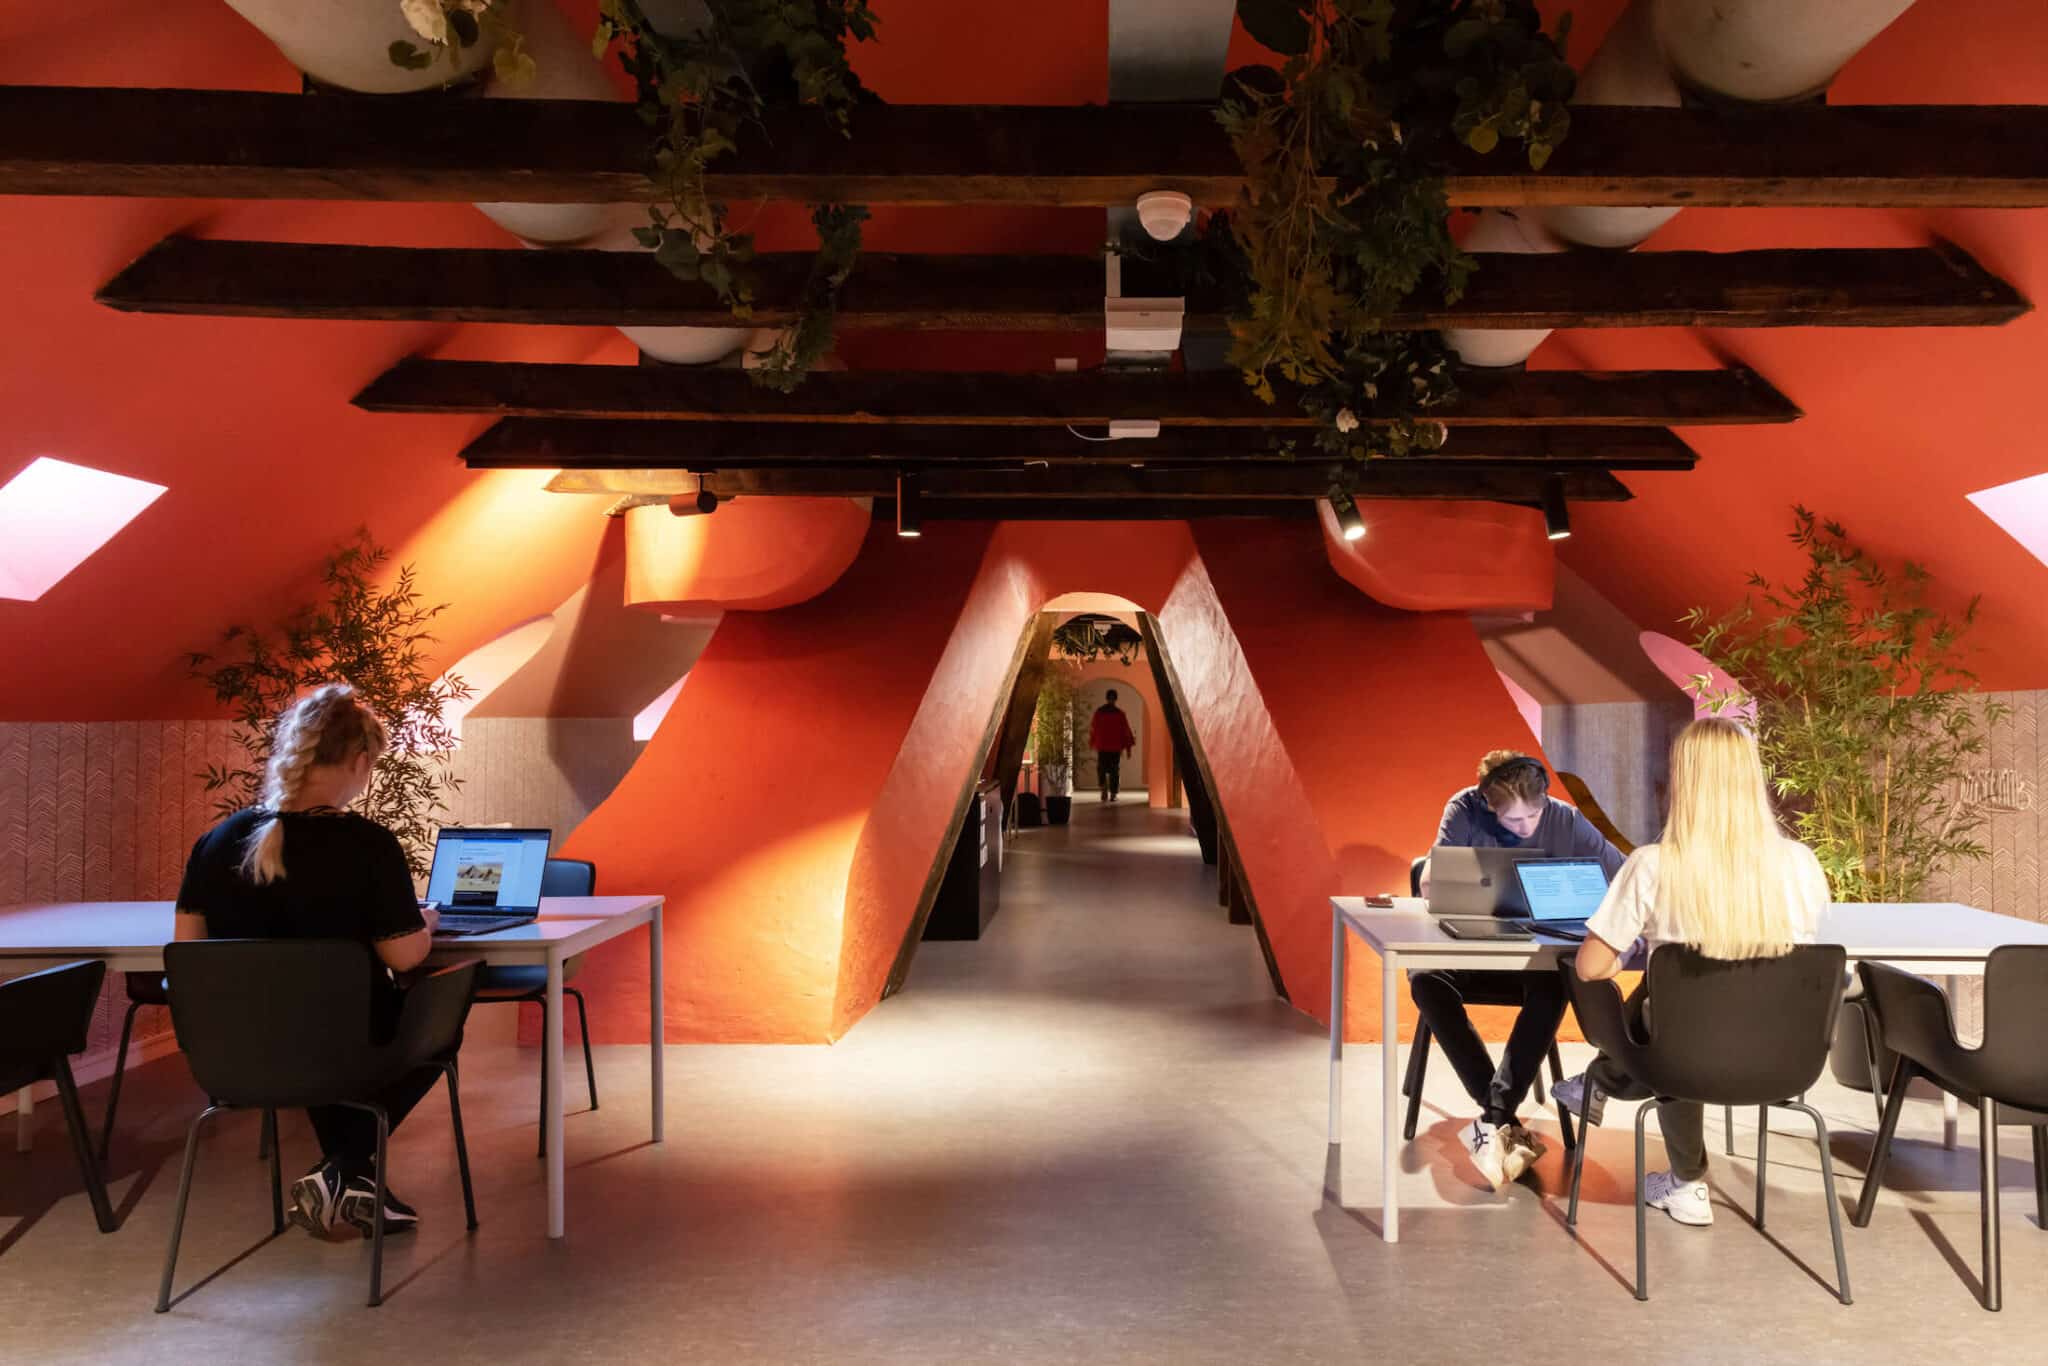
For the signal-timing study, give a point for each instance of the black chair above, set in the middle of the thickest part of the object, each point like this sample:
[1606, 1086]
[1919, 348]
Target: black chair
[512, 983]
[260, 1023]
[2010, 1068]
[144, 989]
[43, 1021]
[1753, 1032]
[1478, 994]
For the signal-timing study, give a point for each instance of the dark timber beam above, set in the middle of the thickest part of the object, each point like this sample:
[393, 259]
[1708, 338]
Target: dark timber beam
[1633, 398]
[570, 443]
[236, 144]
[1889, 287]
[1307, 480]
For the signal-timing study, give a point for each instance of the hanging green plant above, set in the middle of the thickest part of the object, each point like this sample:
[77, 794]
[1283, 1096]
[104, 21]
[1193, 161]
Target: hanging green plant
[1343, 216]
[1095, 636]
[699, 90]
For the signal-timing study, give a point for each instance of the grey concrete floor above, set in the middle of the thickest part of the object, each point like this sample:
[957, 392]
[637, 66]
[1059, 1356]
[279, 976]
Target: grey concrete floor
[1094, 1136]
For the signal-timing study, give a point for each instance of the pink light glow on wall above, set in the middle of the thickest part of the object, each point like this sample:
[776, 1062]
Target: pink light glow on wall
[650, 716]
[1683, 665]
[1525, 703]
[54, 515]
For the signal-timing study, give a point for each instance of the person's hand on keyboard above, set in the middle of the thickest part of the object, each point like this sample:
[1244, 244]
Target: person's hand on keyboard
[432, 915]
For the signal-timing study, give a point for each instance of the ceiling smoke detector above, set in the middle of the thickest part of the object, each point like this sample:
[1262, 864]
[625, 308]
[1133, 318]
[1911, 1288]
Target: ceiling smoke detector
[1165, 213]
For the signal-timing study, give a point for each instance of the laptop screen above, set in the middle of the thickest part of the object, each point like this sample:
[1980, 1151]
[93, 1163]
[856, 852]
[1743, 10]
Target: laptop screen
[1562, 889]
[486, 870]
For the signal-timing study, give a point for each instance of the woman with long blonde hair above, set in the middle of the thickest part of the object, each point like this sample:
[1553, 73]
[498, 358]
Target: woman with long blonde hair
[303, 866]
[1723, 879]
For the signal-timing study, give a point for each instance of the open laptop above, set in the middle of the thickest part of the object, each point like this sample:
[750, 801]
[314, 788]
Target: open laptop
[487, 879]
[1561, 893]
[1476, 882]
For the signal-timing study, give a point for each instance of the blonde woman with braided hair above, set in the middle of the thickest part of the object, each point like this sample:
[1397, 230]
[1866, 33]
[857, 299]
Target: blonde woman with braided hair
[1724, 880]
[303, 866]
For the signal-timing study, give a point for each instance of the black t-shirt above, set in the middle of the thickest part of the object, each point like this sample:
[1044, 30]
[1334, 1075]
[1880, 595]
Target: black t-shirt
[345, 877]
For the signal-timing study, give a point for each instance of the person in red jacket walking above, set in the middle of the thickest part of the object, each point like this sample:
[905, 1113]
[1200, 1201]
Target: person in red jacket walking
[1109, 735]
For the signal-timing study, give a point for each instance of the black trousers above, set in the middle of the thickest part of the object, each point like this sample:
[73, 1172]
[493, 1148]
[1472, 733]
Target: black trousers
[1443, 997]
[348, 1137]
[1109, 770]
[1683, 1123]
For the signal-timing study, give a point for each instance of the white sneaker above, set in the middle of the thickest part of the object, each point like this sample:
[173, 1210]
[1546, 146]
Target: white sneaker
[1524, 1150]
[1488, 1145]
[1571, 1094]
[1685, 1201]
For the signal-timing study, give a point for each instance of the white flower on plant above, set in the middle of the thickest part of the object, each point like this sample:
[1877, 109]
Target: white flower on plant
[426, 18]
[1347, 421]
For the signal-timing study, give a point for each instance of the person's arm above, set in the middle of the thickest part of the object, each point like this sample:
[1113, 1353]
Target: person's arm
[189, 925]
[1596, 960]
[1613, 930]
[400, 931]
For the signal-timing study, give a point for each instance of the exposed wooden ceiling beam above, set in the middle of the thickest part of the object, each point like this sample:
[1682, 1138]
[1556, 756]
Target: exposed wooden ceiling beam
[1630, 398]
[1306, 480]
[234, 144]
[1937, 286]
[556, 443]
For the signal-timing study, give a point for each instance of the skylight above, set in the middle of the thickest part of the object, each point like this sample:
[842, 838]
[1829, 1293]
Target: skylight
[2021, 511]
[54, 515]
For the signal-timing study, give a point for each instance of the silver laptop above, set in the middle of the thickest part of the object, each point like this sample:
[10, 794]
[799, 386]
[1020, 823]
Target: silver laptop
[1561, 893]
[487, 879]
[1476, 882]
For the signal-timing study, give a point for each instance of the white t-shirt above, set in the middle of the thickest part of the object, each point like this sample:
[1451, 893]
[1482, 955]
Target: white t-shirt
[1630, 909]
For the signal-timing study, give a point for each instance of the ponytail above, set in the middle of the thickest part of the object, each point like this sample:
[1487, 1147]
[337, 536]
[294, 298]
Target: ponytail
[326, 726]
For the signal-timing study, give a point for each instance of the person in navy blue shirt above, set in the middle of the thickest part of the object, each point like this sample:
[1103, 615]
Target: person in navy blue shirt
[1510, 807]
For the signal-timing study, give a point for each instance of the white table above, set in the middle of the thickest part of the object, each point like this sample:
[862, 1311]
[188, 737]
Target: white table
[1936, 939]
[130, 936]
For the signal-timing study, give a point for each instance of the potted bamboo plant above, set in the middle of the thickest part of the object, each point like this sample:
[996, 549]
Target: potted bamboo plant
[1052, 742]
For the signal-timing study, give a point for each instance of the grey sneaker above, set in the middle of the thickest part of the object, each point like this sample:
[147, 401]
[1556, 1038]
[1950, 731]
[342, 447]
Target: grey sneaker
[1685, 1201]
[1571, 1094]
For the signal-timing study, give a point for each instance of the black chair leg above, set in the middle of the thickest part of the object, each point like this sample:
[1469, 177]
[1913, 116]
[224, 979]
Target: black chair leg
[589, 1067]
[1987, 1143]
[163, 1293]
[1872, 1050]
[377, 1214]
[1418, 1068]
[1763, 1151]
[1827, 1180]
[1881, 1151]
[1564, 1114]
[461, 1144]
[1571, 1218]
[1642, 1210]
[545, 1025]
[81, 1143]
[120, 1070]
[269, 1146]
[1728, 1129]
[2041, 1176]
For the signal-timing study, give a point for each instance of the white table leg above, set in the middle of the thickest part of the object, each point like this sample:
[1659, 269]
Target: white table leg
[655, 1040]
[1390, 1100]
[552, 1102]
[1336, 1025]
[24, 1117]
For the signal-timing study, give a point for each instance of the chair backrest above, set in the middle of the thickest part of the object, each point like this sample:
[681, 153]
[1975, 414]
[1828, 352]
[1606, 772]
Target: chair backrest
[2012, 1064]
[568, 877]
[276, 1022]
[1740, 1033]
[1415, 875]
[44, 1016]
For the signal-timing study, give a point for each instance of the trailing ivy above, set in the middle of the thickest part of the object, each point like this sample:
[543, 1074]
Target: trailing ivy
[699, 90]
[1343, 218]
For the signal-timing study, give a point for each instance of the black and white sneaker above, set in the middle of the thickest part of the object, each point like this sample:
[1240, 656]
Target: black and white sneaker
[359, 1201]
[315, 1197]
